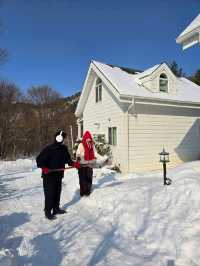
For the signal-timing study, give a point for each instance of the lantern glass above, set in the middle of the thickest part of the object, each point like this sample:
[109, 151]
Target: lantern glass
[161, 158]
[164, 156]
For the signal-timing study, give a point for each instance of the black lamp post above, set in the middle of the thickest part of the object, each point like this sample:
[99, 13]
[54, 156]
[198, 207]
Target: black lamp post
[164, 158]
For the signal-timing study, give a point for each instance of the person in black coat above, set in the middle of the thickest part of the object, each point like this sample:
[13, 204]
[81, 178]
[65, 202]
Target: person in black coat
[53, 157]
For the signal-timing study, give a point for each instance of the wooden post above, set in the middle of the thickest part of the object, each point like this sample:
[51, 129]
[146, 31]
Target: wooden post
[72, 141]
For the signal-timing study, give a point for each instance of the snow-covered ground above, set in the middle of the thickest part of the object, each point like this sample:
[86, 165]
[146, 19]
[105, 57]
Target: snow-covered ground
[128, 219]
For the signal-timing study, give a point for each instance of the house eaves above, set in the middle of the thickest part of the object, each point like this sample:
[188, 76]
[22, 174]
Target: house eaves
[105, 77]
[191, 35]
[161, 102]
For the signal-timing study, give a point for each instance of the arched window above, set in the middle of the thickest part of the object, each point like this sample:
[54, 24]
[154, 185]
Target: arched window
[163, 83]
[98, 90]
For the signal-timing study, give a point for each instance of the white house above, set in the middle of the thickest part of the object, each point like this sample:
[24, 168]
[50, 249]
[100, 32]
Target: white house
[140, 112]
[191, 35]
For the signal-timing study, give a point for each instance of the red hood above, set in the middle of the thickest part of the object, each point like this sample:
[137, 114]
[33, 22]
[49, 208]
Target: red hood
[87, 135]
[88, 144]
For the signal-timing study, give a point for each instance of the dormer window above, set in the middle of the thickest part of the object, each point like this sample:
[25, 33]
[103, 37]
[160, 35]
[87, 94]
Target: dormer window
[98, 90]
[163, 83]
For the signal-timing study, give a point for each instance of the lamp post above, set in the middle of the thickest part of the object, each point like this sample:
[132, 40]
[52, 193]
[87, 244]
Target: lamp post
[164, 158]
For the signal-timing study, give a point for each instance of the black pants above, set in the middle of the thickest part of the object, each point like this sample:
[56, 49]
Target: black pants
[52, 184]
[85, 180]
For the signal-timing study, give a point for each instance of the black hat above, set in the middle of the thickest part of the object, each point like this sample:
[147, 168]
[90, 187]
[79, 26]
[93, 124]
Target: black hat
[59, 136]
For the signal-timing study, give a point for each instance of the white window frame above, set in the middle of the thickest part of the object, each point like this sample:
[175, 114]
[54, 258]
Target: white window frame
[163, 78]
[112, 136]
[98, 90]
[99, 137]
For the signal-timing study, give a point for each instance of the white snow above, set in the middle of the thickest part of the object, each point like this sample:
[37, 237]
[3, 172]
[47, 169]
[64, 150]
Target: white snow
[129, 219]
[130, 85]
[7, 258]
[194, 25]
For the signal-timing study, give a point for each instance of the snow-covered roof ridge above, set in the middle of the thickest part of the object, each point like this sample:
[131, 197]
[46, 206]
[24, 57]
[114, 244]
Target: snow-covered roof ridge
[195, 24]
[123, 68]
[148, 71]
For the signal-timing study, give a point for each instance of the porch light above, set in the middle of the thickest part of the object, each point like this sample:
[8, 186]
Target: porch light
[97, 125]
[164, 158]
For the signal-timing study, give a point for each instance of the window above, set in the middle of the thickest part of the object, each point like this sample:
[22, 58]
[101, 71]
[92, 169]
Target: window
[163, 83]
[112, 136]
[81, 128]
[99, 137]
[98, 90]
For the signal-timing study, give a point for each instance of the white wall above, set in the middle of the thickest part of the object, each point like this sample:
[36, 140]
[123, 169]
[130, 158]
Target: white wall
[152, 82]
[178, 129]
[107, 113]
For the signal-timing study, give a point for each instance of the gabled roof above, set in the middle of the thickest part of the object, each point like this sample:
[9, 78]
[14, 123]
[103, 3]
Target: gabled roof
[130, 86]
[147, 72]
[191, 35]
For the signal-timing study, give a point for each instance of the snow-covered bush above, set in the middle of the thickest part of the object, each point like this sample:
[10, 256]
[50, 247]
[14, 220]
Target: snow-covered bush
[101, 146]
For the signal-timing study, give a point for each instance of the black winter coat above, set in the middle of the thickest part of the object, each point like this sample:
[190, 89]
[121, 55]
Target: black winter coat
[54, 156]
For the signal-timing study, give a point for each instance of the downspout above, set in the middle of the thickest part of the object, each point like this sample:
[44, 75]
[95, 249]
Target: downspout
[79, 121]
[129, 108]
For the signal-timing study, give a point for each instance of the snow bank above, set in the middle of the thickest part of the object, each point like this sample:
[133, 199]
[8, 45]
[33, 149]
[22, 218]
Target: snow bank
[7, 258]
[129, 219]
[18, 165]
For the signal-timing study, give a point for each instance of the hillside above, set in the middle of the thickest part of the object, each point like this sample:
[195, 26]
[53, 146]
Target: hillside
[26, 127]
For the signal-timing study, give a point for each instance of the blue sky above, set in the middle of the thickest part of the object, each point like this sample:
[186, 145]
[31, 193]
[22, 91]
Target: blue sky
[52, 41]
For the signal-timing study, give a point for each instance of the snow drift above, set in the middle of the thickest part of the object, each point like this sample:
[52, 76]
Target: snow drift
[128, 219]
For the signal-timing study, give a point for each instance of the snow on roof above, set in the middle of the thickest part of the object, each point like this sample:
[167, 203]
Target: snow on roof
[147, 72]
[192, 26]
[130, 85]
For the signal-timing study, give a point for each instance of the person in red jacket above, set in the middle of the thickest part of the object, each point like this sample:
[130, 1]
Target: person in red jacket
[53, 157]
[86, 156]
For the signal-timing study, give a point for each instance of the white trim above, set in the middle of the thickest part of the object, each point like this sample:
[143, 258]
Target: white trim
[128, 122]
[98, 90]
[191, 35]
[84, 93]
[171, 103]
[165, 79]
[165, 102]
[105, 80]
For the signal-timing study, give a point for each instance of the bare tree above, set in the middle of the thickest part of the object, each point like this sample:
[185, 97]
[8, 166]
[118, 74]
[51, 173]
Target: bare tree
[28, 123]
[45, 100]
[42, 95]
[9, 96]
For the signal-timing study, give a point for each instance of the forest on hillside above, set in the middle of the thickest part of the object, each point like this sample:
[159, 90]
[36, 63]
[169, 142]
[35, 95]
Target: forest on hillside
[28, 122]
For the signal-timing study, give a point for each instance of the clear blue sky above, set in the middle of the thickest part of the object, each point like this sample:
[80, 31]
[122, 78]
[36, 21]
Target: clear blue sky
[52, 41]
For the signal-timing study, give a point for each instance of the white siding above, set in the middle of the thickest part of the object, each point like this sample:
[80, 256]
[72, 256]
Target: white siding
[177, 129]
[108, 114]
[152, 82]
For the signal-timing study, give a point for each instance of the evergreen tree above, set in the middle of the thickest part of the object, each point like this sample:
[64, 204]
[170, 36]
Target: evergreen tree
[178, 71]
[196, 77]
